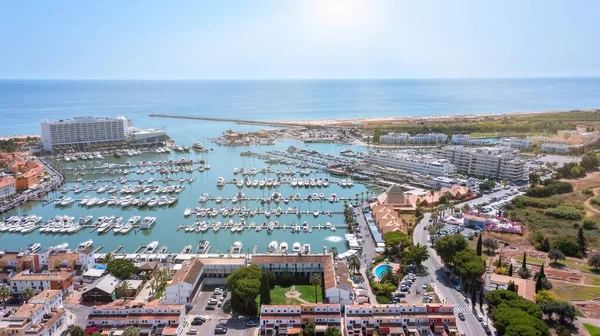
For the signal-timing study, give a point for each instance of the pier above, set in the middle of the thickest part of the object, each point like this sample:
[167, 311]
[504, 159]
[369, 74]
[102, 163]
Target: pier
[236, 121]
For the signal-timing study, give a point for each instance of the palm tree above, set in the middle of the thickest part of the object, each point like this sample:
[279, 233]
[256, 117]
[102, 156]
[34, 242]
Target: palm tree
[123, 288]
[354, 263]
[386, 276]
[334, 250]
[315, 280]
[362, 194]
[28, 293]
[4, 294]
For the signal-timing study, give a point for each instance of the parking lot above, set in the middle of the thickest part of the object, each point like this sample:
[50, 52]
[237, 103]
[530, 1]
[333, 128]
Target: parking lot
[236, 324]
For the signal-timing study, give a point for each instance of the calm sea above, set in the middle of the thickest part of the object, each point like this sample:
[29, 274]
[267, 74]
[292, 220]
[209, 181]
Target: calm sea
[24, 103]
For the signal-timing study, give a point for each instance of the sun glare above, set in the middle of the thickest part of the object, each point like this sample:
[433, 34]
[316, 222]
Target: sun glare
[342, 13]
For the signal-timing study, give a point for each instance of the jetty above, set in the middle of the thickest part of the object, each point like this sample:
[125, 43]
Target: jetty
[236, 121]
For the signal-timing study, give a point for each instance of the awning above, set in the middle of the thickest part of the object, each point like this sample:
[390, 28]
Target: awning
[320, 328]
[294, 331]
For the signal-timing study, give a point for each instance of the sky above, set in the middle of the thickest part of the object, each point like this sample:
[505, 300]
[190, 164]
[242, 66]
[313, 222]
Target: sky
[303, 39]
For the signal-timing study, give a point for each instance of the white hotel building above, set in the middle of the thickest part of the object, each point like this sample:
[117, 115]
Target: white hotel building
[82, 132]
[487, 162]
[424, 165]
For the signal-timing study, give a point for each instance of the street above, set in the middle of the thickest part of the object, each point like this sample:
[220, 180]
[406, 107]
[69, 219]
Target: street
[443, 285]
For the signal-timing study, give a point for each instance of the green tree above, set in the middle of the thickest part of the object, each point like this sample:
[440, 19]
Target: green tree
[544, 296]
[481, 298]
[4, 294]
[510, 270]
[564, 310]
[524, 263]
[315, 280]
[524, 273]
[479, 245]
[309, 329]
[594, 261]
[131, 331]
[354, 263]
[511, 287]
[285, 279]
[108, 258]
[589, 224]
[28, 293]
[468, 264]
[77, 331]
[265, 290]
[448, 246]
[491, 245]
[332, 331]
[272, 278]
[581, 241]
[466, 207]
[509, 320]
[334, 251]
[443, 199]
[396, 242]
[123, 289]
[121, 268]
[534, 179]
[555, 255]
[473, 295]
[416, 255]
[244, 284]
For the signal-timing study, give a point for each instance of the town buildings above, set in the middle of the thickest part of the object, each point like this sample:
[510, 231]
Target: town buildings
[420, 139]
[104, 289]
[524, 287]
[486, 162]
[394, 138]
[41, 316]
[150, 318]
[82, 132]
[8, 187]
[184, 284]
[40, 281]
[423, 165]
[520, 143]
[400, 319]
[282, 319]
[146, 136]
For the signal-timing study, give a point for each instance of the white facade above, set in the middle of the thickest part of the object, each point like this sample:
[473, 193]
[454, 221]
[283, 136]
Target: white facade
[394, 138]
[48, 300]
[520, 143]
[40, 282]
[555, 148]
[7, 187]
[424, 165]
[429, 138]
[487, 162]
[460, 139]
[82, 131]
[146, 136]
[120, 317]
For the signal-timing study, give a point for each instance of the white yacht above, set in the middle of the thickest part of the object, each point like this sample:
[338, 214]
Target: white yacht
[272, 248]
[151, 247]
[187, 212]
[296, 247]
[84, 220]
[236, 248]
[85, 244]
[283, 248]
[203, 247]
[306, 248]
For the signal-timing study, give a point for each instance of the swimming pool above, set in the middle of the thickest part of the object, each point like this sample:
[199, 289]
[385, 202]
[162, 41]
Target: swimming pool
[381, 269]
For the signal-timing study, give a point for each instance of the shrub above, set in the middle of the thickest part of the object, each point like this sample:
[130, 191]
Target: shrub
[383, 299]
[595, 200]
[564, 212]
[543, 203]
[285, 279]
[568, 247]
[553, 188]
[589, 224]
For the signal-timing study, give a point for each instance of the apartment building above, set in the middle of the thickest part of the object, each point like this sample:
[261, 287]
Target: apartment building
[146, 136]
[289, 320]
[150, 318]
[54, 260]
[486, 162]
[62, 281]
[41, 316]
[82, 132]
[14, 262]
[460, 139]
[520, 143]
[184, 284]
[400, 319]
[429, 138]
[394, 138]
[424, 165]
[7, 187]
[554, 147]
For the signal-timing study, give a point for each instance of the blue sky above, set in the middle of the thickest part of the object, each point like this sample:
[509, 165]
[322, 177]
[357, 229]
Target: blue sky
[284, 39]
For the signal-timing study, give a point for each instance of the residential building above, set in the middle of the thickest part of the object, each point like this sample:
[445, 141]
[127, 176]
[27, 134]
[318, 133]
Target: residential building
[82, 132]
[474, 222]
[336, 286]
[400, 319]
[14, 262]
[395, 199]
[486, 162]
[184, 284]
[104, 289]
[150, 317]
[460, 139]
[53, 259]
[27, 173]
[289, 320]
[520, 143]
[525, 287]
[41, 281]
[554, 147]
[7, 187]
[422, 165]
[394, 138]
[429, 138]
[43, 315]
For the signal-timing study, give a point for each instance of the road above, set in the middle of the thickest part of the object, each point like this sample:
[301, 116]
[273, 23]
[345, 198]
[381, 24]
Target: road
[443, 285]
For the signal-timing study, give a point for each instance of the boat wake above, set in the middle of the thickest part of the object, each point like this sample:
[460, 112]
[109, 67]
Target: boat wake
[334, 239]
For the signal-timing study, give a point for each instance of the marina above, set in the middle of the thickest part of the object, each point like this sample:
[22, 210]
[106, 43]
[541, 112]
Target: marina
[155, 194]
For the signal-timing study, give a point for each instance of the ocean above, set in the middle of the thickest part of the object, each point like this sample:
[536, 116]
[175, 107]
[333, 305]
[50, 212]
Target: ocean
[24, 103]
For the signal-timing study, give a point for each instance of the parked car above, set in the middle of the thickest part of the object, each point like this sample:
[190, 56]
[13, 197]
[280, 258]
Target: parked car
[192, 332]
[458, 288]
[220, 330]
[251, 323]
[210, 307]
[197, 322]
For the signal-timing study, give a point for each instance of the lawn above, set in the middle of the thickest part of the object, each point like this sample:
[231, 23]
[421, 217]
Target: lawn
[531, 260]
[593, 330]
[574, 292]
[307, 293]
[429, 289]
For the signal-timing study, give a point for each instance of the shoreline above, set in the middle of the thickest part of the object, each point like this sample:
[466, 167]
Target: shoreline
[334, 122]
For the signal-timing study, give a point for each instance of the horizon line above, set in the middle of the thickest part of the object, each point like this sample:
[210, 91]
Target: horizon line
[294, 79]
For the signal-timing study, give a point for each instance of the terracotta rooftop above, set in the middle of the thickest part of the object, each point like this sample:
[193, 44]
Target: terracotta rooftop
[188, 272]
[46, 294]
[55, 276]
[324, 259]
[6, 180]
[27, 309]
